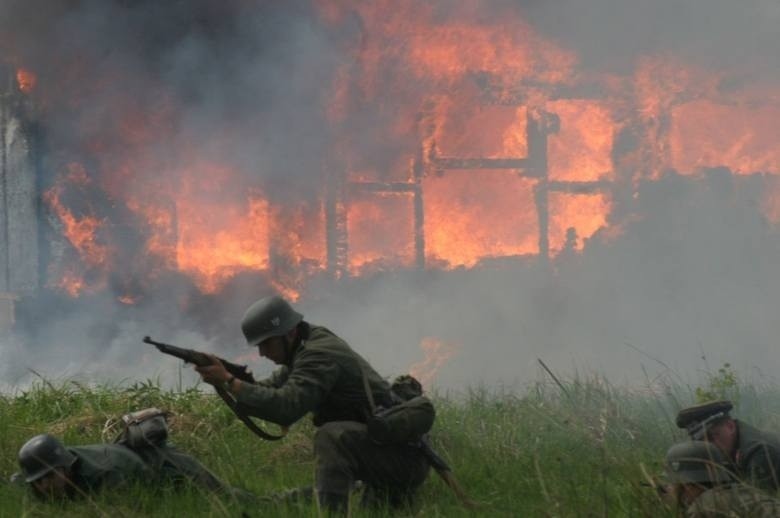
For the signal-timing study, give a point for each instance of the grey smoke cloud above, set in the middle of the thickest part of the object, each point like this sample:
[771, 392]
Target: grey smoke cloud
[614, 33]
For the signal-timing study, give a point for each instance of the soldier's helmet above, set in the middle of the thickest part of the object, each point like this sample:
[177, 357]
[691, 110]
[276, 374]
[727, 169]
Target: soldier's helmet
[270, 316]
[696, 462]
[42, 454]
[699, 418]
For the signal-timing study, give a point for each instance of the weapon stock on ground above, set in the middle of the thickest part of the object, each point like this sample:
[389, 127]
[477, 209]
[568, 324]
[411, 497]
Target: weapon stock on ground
[201, 359]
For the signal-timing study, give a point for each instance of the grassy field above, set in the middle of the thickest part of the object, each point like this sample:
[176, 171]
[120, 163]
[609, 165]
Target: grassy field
[565, 448]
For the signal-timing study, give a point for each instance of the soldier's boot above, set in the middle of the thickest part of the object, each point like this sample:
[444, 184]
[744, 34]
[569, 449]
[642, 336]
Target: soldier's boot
[333, 503]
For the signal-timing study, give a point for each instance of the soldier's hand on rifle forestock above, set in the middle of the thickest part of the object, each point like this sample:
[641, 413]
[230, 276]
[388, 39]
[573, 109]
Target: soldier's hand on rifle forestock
[214, 374]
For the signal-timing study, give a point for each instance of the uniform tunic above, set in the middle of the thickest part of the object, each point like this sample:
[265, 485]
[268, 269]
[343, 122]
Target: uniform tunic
[100, 466]
[324, 377]
[757, 457]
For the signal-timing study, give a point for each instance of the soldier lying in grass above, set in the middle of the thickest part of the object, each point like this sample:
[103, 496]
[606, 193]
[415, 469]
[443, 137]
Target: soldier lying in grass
[701, 485]
[754, 455]
[140, 456]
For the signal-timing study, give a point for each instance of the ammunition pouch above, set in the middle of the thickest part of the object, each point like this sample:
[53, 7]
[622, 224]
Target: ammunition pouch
[144, 429]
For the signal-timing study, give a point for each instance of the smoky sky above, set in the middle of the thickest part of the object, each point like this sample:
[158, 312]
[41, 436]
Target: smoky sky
[248, 76]
[612, 34]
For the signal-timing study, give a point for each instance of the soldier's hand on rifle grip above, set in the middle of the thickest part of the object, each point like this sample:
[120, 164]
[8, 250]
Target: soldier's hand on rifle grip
[214, 374]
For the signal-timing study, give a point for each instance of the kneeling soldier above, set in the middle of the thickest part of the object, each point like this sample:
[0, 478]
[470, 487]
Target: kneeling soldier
[321, 374]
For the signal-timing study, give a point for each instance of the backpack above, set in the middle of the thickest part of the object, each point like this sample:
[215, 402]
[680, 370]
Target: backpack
[409, 418]
[144, 428]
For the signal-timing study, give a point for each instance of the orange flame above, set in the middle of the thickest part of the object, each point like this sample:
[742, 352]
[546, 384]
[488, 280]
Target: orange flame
[437, 353]
[81, 232]
[26, 80]
[472, 215]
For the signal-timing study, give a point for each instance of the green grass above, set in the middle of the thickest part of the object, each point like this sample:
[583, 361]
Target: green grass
[572, 448]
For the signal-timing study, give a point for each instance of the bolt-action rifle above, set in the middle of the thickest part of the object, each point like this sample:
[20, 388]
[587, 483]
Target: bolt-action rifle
[239, 371]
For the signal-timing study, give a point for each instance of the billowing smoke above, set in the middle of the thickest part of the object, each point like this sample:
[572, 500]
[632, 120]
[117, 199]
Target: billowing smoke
[611, 34]
[145, 98]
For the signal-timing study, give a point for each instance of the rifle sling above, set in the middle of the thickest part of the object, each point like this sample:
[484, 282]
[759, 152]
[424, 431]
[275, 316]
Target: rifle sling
[230, 402]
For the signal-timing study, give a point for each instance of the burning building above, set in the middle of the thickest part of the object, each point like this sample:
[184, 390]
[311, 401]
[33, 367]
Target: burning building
[426, 136]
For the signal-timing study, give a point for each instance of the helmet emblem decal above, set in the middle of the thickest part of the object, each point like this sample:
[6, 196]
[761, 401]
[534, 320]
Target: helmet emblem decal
[276, 321]
[675, 466]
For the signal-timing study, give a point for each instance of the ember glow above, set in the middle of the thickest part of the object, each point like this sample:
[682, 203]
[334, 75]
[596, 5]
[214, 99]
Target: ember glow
[26, 80]
[454, 136]
[437, 353]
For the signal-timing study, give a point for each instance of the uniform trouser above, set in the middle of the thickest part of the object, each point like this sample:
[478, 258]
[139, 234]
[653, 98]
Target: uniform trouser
[344, 454]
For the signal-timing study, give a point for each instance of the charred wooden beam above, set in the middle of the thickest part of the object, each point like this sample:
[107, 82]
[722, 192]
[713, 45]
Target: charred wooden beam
[524, 92]
[418, 171]
[578, 187]
[384, 187]
[479, 163]
[538, 126]
[336, 228]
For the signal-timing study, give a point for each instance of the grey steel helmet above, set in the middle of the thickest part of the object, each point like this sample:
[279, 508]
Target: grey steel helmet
[42, 454]
[270, 316]
[696, 462]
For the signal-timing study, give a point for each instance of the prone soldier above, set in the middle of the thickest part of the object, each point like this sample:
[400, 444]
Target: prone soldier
[754, 454]
[702, 485]
[56, 472]
[141, 455]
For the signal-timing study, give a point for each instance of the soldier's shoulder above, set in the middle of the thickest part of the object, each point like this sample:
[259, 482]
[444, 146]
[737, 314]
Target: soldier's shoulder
[751, 434]
[321, 338]
[756, 443]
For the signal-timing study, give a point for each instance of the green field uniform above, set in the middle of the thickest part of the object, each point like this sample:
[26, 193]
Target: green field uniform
[324, 376]
[101, 466]
[113, 466]
[757, 457]
[737, 501]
